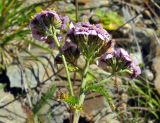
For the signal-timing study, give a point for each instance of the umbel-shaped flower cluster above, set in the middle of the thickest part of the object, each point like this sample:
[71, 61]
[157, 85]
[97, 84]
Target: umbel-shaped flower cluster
[119, 61]
[92, 40]
[42, 26]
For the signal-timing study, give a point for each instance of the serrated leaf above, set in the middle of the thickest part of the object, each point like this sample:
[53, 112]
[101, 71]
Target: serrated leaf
[72, 100]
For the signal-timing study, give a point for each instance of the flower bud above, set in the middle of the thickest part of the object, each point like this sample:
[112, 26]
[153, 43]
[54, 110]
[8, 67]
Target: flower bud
[71, 53]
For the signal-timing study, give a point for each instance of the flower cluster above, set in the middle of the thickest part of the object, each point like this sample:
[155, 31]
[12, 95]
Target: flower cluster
[119, 61]
[92, 40]
[71, 53]
[41, 26]
[65, 23]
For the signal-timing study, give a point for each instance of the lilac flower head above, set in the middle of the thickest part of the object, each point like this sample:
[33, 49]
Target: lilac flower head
[119, 61]
[135, 69]
[91, 39]
[41, 23]
[123, 55]
[119, 52]
[65, 23]
[70, 51]
[89, 29]
[105, 61]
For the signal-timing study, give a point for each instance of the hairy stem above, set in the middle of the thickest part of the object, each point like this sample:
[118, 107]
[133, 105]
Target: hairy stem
[64, 62]
[82, 94]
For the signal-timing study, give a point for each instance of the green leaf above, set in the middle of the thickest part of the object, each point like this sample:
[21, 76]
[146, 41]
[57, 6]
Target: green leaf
[44, 99]
[72, 100]
[72, 68]
[102, 90]
[90, 77]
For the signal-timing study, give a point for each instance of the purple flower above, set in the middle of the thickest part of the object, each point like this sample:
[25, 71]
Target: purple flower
[91, 39]
[119, 61]
[65, 23]
[135, 69]
[41, 23]
[70, 51]
[108, 56]
[50, 42]
[123, 55]
[105, 61]
[39, 34]
[89, 30]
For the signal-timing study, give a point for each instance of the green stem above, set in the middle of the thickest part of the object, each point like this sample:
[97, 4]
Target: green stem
[64, 62]
[82, 93]
[104, 81]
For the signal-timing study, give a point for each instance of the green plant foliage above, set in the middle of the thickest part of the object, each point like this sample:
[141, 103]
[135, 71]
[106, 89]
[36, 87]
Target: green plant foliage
[72, 68]
[15, 16]
[101, 90]
[110, 20]
[145, 92]
[72, 100]
[44, 99]
[90, 77]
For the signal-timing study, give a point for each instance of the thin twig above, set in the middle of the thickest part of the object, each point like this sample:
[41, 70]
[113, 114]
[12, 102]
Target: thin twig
[77, 9]
[142, 108]
[155, 4]
[2, 106]
[130, 20]
[17, 98]
[151, 10]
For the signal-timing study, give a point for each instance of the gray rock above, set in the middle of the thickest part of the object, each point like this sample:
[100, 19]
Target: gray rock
[156, 68]
[31, 72]
[12, 113]
[55, 112]
[105, 115]
[149, 74]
